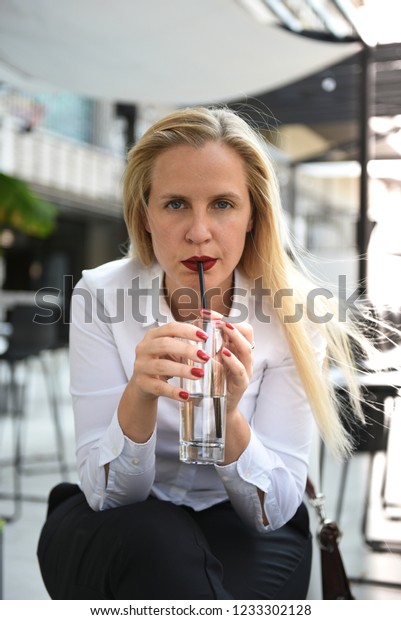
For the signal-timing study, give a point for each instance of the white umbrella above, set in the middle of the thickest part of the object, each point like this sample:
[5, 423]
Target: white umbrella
[170, 52]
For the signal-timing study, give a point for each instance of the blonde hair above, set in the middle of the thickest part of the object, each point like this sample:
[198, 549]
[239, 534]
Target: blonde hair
[265, 253]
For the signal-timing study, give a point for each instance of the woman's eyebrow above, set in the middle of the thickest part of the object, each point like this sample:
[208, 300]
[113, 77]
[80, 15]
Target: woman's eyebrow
[218, 195]
[232, 195]
[171, 195]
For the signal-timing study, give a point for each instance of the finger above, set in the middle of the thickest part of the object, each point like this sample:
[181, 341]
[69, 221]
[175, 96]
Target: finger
[237, 373]
[178, 330]
[160, 388]
[210, 314]
[240, 336]
[244, 328]
[171, 349]
[161, 368]
[235, 364]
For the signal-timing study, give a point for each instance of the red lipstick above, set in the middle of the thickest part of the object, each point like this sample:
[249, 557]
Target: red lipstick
[192, 263]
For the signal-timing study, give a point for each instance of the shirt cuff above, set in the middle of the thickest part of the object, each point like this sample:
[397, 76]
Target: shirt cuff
[253, 470]
[123, 454]
[253, 466]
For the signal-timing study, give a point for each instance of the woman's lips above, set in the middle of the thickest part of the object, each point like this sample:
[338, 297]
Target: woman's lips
[192, 263]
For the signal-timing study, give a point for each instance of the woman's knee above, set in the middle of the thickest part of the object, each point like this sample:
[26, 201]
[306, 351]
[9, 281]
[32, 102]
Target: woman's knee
[161, 535]
[152, 549]
[163, 554]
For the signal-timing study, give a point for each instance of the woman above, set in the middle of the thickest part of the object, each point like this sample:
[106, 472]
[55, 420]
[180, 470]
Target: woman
[198, 187]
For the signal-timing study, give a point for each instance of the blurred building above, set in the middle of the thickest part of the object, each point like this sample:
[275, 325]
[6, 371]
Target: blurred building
[71, 152]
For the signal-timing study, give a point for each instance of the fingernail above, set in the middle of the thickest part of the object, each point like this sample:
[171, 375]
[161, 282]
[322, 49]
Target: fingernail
[230, 326]
[226, 352]
[183, 395]
[197, 372]
[206, 312]
[203, 355]
[201, 334]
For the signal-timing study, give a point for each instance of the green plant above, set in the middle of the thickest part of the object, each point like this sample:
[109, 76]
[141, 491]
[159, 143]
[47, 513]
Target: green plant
[22, 210]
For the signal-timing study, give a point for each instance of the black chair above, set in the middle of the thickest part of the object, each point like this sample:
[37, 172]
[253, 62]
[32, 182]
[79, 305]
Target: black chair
[368, 439]
[29, 340]
[373, 437]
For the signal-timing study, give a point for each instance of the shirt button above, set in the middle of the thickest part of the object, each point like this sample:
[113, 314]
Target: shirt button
[248, 472]
[115, 451]
[135, 461]
[225, 478]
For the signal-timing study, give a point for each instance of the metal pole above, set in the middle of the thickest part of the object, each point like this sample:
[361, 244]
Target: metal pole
[364, 224]
[1, 557]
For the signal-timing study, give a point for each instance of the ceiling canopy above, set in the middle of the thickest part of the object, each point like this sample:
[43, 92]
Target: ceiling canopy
[175, 53]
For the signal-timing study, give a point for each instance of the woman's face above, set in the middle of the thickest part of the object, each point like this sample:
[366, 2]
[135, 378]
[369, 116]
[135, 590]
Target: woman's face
[199, 209]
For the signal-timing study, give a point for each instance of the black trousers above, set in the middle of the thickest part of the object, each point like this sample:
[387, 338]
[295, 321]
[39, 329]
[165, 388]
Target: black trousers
[155, 550]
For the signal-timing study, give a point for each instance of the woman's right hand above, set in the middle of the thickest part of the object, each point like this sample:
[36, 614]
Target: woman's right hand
[157, 359]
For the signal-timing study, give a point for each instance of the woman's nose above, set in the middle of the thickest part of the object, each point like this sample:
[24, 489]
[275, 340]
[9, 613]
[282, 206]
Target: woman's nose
[199, 230]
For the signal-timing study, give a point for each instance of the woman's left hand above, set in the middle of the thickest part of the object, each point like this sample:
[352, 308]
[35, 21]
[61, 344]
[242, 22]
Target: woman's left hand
[237, 356]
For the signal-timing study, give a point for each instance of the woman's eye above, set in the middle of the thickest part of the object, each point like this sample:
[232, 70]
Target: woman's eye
[223, 204]
[175, 205]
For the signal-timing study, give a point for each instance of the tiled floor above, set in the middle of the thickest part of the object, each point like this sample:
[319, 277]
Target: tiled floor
[21, 576]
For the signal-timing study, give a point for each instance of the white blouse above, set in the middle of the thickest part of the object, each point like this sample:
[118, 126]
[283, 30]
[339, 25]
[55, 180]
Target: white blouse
[112, 308]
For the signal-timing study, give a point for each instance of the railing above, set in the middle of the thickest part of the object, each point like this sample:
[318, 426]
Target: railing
[43, 158]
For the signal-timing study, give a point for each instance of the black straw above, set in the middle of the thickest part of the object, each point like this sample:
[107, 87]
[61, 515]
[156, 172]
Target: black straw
[216, 401]
[202, 285]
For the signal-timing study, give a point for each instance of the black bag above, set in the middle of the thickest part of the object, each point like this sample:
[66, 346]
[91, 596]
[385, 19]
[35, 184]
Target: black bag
[335, 584]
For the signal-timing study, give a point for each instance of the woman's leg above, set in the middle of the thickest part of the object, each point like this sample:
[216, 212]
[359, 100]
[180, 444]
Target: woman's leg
[155, 550]
[273, 565]
[152, 550]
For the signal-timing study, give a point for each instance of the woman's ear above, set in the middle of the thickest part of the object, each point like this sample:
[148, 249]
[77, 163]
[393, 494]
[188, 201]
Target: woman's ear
[146, 224]
[250, 222]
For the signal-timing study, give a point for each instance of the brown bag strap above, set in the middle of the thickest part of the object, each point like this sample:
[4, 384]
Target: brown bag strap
[310, 489]
[334, 579]
[335, 584]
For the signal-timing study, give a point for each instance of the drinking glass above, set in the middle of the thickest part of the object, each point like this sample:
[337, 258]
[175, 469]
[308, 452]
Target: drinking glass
[203, 415]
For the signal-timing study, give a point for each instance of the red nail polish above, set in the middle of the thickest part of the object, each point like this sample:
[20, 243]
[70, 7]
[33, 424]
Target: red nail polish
[230, 326]
[226, 352]
[203, 355]
[206, 312]
[183, 395]
[201, 334]
[197, 372]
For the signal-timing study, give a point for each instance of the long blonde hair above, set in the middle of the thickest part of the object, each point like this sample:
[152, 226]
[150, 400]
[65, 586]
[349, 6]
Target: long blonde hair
[265, 253]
